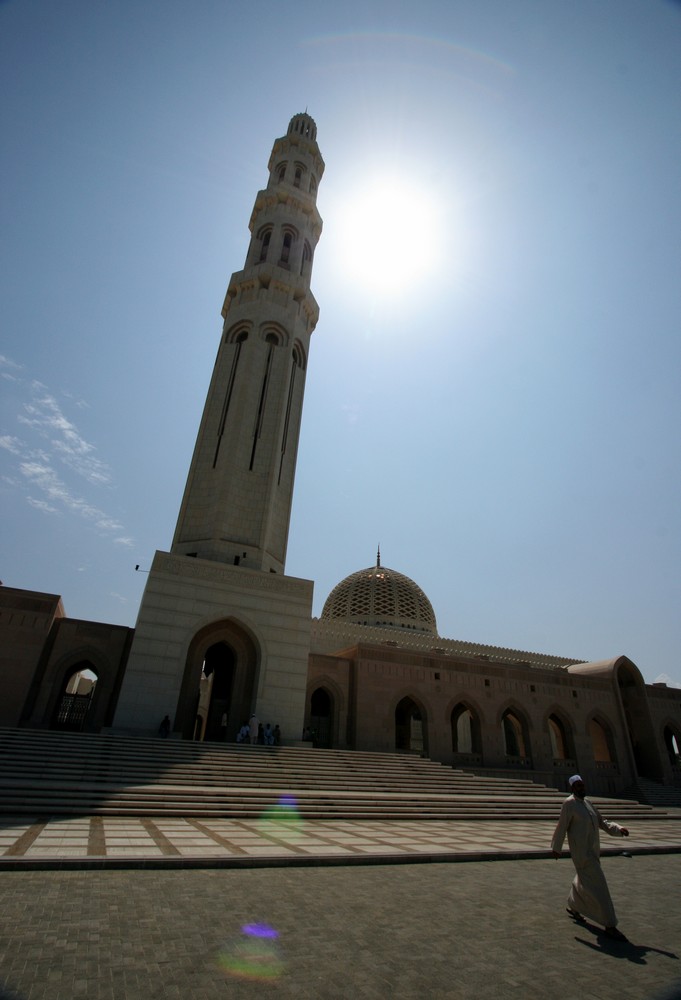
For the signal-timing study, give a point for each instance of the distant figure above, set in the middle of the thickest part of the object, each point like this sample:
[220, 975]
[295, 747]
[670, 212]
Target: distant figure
[164, 728]
[223, 725]
[261, 735]
[269, 736]
[253, 725]
[589, 896]
[277, 735]
[307, 735]
[242, 735]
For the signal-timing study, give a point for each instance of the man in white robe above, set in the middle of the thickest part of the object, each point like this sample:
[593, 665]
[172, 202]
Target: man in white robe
[589, 896]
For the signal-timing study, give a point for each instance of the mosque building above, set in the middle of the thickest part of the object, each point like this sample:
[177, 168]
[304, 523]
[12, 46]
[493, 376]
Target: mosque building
[223, 632]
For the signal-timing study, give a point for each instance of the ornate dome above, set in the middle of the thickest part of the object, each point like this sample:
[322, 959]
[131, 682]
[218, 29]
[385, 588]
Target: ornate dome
[380, 596]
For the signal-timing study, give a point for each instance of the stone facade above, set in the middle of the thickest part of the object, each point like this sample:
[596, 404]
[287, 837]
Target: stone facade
[260, 622]
[483, 711]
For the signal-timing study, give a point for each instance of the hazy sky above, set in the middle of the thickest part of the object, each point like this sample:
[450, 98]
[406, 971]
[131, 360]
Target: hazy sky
[499, 407]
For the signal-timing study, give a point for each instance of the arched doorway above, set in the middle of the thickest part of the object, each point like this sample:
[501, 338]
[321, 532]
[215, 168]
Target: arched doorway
[75, 699]
[410, 728]
[219, 683]
[321, 718]
[215, 693]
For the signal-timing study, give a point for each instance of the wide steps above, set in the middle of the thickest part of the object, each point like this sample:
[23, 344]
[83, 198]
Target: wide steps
[45, 773]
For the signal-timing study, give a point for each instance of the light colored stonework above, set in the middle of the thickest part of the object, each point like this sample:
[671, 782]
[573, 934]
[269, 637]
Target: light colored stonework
[186, 597]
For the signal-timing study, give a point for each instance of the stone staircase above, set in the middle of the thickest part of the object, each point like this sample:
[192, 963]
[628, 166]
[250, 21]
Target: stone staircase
[44, 773]
[654, 794]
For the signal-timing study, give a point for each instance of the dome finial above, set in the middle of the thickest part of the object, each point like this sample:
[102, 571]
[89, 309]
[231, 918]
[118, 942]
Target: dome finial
[378, 556]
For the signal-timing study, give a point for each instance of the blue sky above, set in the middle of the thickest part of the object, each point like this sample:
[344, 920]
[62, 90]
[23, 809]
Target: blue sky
[502, 416]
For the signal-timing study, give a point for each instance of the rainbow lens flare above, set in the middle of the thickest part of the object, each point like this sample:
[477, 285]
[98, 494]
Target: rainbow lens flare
[281, 820]
[254, 955]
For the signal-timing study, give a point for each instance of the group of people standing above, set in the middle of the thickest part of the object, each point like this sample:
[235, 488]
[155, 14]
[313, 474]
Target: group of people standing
[254, 732]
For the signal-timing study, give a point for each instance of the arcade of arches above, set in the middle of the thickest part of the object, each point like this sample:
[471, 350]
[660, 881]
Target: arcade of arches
[370, 687]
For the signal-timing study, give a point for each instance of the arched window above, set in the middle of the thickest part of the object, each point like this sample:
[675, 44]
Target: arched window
[307, 258]
[313, 184]
[561, 739]
[515, 742]
[298, 356]
[281, 172]
[265, 237]
[297, 177]
[601, 742]
[286, 245]
[465, 731]
[237, 336]
[272, 338]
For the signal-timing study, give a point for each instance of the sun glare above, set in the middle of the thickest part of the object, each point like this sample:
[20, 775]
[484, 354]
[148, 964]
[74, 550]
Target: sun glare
[389, 237]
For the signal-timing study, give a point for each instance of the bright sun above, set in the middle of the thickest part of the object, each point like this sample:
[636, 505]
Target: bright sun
[389, 235]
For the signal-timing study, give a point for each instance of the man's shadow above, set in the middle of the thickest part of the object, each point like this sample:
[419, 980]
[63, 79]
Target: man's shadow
[627, 950]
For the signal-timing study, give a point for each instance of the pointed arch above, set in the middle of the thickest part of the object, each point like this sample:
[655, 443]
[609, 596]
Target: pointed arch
[642, 747]
[321, 716]
[325, 711]
[411, 726]
[466, 731]
[74, 702]
[561, 737]
[515, 733]
[602, 741]
[232, 649]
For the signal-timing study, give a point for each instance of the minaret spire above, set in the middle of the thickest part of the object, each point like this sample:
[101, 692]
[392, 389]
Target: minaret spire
[378, 557]
[237, 502]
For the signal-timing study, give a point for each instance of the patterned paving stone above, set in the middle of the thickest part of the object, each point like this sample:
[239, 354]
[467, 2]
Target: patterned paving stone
[476, 930]
[118, 837]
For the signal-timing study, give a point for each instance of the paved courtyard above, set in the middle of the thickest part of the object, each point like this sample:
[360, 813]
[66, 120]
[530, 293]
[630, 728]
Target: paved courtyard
[281, 835]
[481, 929]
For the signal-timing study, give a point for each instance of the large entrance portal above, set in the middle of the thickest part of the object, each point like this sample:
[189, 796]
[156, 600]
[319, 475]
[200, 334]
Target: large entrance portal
[219, 683]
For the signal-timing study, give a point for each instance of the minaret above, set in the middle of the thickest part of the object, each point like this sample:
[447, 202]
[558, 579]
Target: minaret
[222, 632]
[237, 502]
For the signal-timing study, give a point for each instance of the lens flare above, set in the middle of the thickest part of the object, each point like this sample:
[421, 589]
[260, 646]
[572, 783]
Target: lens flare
[254, 955]
[281, 820]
